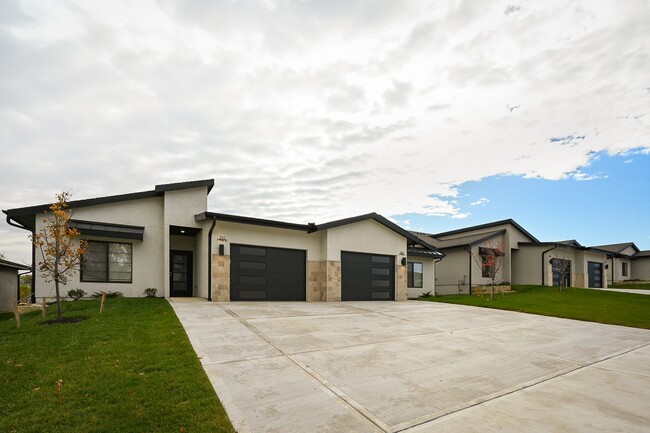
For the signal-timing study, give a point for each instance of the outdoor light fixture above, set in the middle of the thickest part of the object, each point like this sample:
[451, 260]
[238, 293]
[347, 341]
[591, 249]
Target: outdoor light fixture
[551, 261]
[403, 261]
[182, 231]
[606, 266]
[221, 249]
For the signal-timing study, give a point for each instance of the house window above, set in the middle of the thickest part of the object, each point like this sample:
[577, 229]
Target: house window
[624, 270]
[107, 262]
[415, 272]
[487, 268]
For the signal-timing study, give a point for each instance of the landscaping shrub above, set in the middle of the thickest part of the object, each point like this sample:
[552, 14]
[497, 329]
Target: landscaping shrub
[150, 292]
[76, 294]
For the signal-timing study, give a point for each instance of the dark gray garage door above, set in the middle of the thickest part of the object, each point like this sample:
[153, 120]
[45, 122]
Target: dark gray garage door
[267, 274]
[367, 277]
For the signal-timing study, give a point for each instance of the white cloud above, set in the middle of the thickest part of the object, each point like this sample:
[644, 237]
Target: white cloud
[480, 202]
[311, 111]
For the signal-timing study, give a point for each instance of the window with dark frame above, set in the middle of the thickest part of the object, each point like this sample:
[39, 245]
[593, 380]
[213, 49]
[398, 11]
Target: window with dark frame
[487, 270]
[624, 270]
[415, 275]
[107, 262]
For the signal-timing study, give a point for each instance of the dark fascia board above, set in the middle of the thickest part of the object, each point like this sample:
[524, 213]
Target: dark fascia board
[18, 266]
[253, 221]
[641, 254]
[488, 225]
[560, 244]
[209, 183]
[110, 230]
[19, 214]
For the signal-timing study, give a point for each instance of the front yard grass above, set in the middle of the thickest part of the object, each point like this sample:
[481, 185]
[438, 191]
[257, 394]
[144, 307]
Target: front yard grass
[132, 369]
[614, 308]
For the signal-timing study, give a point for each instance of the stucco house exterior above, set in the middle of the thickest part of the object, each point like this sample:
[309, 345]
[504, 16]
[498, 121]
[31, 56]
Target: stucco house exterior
[463, 267]
[559, 263]
[626, 262]
[525, 260]
[10, 283]
[167, 239]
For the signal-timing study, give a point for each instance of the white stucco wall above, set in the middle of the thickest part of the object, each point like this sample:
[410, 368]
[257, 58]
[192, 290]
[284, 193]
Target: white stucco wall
[641, 268]
[452, 269]
[367, 236]
[428, 276]
[8, 287]
[147, 255]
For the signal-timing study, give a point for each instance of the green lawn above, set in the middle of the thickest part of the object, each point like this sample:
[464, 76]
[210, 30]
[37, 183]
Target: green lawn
[583, 304]
[643, 285]
[132, 369]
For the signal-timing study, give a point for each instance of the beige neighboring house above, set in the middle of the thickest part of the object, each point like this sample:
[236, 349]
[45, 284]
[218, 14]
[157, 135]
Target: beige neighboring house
[167, 239]
[641, 265]
[626, 262]
[10, 283]
[559, 263]
[464, 250]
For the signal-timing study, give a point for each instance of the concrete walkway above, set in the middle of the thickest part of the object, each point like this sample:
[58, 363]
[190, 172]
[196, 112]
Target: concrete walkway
[637, 291]
[418, 367]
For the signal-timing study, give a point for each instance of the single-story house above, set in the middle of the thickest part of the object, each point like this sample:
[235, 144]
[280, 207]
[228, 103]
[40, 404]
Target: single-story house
[167, 239]
[10, 283]
[559, 263]
[525, 259]
[626, 262]
[464, 249]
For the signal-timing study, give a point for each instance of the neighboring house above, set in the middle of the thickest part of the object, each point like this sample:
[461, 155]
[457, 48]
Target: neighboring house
[166, 239]
[641, 265]
[620, 260]
[559, 263]
[10, 283]
[463, 266]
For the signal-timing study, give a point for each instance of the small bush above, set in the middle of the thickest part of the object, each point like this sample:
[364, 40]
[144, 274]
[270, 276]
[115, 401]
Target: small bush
[76, 294]
[150, 292]
[98, 295]
[426, 295]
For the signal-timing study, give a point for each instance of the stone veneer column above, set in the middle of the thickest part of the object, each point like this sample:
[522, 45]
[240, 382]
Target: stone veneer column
[401, 290]
[220, 278]
[315, 286]
[333, 280]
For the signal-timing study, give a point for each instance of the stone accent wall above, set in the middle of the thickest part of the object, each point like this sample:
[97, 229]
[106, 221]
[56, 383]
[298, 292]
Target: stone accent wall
[332, 273]
[220, 278]
[401, 289]
[315, 282]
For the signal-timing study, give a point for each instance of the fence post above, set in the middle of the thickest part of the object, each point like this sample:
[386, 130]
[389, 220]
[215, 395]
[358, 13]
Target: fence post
[101, 307]
[44, 307]
[16, 314]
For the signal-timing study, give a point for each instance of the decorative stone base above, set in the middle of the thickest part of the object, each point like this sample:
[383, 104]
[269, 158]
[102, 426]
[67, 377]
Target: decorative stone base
[315, 286]
[220, 278]
[332, 274]
[401, 285]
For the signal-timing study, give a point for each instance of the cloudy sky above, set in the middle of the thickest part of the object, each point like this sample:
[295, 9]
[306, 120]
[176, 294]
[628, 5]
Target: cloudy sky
[431, 113]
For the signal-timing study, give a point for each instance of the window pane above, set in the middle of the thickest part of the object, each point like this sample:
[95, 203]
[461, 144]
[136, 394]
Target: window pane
[380, 259]
[251, 251]
[94, 262]
[417, 275]
[260, 266]
[380, 271]
[119, 262]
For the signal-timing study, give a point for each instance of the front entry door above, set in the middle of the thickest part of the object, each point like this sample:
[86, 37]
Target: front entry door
[595, 274]
[180, 273]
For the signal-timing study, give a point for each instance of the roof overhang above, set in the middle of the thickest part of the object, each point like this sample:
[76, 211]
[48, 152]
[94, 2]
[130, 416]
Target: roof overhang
[14, 265]
[107, 230]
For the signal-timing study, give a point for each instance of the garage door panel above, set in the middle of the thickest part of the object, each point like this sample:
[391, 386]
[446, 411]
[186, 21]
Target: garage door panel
[267, 274]
[367, 277]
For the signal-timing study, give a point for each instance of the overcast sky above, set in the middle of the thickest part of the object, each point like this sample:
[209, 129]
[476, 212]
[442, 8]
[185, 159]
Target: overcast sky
[308, 111]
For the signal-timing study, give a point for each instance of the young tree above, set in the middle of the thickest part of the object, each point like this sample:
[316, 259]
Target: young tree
[561, 266]
[57, 243]
[490, 261]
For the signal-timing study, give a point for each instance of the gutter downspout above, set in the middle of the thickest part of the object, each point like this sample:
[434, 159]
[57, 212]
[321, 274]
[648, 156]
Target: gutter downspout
[613, 269]
[434, 274]
[543, 263]
[33, 288]
[469, 261]
[214, 222]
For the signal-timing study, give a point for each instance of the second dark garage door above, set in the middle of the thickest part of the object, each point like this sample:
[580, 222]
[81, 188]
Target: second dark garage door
[267, 274]
[367, 277]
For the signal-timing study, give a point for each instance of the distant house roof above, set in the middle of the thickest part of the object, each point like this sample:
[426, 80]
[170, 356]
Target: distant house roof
[570, 242]
[14, 265]
[26, 216]
[616, 248]
[461, 241]
[644, 253]
[312, 227]
[487, 225]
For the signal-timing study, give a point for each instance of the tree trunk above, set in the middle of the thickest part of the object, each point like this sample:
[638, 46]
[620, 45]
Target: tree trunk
[492, 291]
[56, 282]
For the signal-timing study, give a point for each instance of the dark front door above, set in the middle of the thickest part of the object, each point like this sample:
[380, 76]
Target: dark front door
[367, 277]
[595, 270]
[561, 272]
[259, 273]
[180, 273]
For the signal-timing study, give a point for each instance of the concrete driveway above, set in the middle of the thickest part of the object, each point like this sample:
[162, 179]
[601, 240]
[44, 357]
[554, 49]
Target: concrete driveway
[418, 367]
